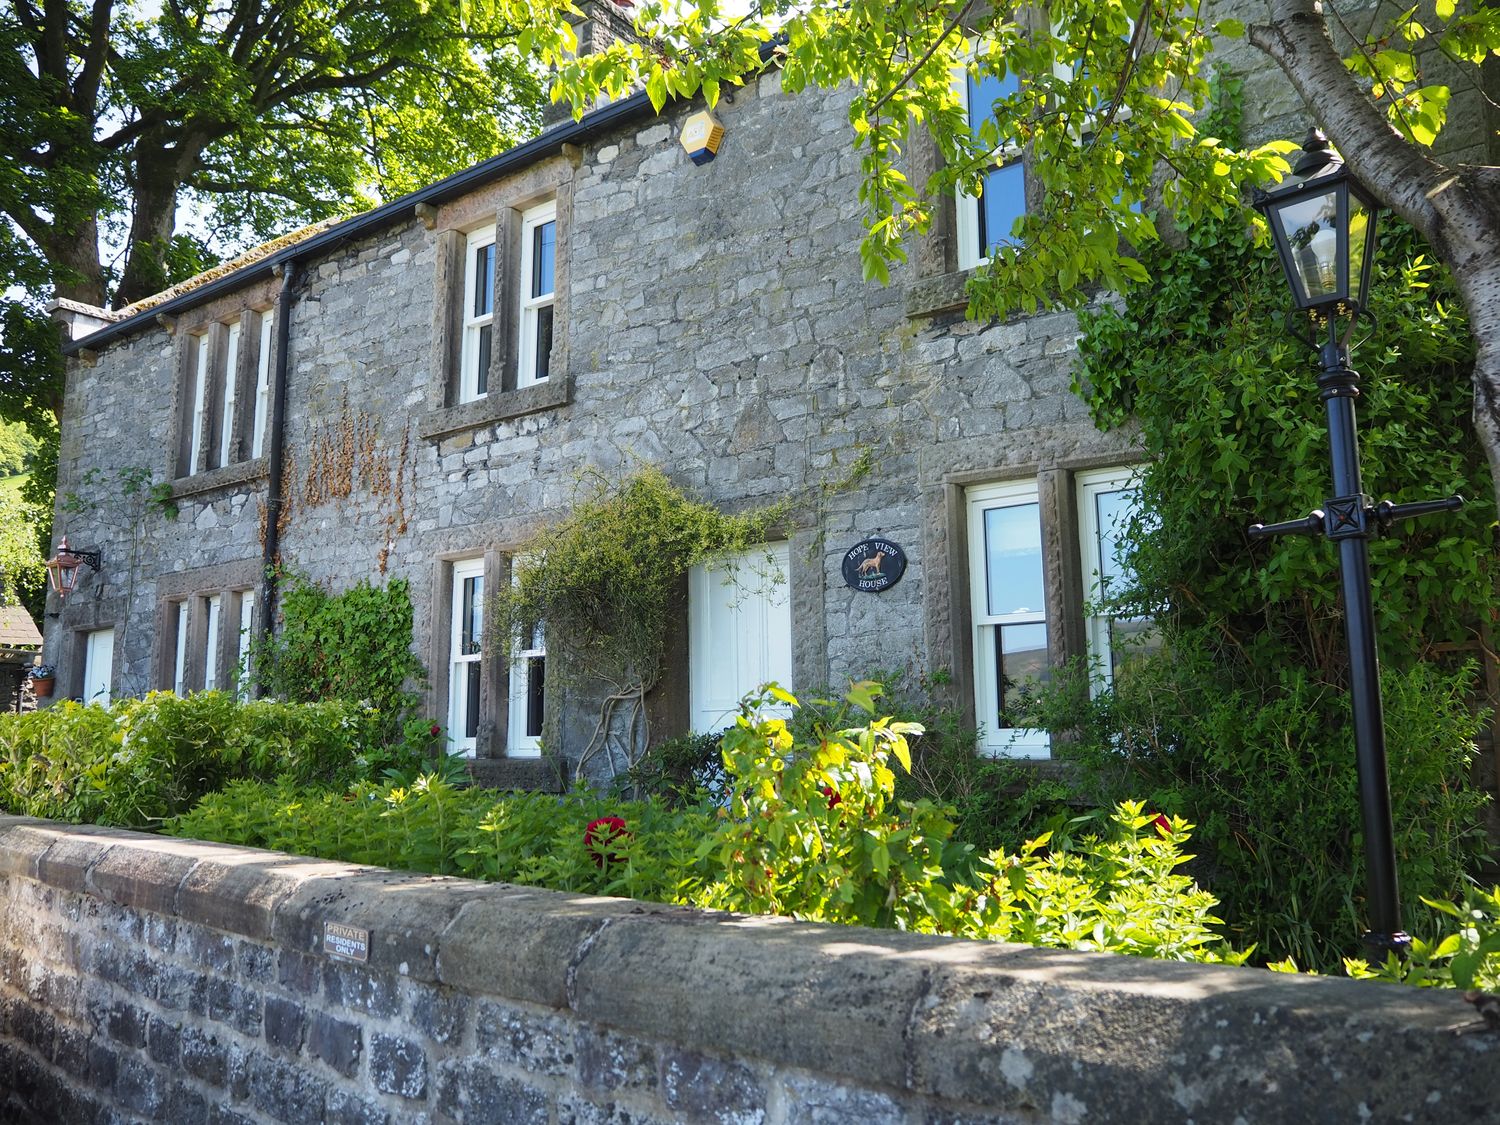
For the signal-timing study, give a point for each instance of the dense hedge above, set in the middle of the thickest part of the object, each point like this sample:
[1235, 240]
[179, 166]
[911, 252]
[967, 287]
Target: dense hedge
[141, 760]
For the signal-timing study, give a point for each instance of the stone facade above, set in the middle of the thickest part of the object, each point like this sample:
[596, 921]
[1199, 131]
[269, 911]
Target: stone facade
[710, 319]
[144, 979]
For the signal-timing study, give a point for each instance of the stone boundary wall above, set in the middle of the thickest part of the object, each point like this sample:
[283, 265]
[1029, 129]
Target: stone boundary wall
[150, 979]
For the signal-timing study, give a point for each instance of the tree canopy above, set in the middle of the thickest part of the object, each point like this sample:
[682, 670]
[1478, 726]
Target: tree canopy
[260, 116]
[1107, 109]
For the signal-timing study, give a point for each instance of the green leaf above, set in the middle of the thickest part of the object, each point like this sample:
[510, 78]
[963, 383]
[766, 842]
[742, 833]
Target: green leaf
[1230, 29]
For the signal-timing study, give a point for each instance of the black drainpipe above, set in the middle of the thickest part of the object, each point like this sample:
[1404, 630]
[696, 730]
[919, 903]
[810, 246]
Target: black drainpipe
[275, 454]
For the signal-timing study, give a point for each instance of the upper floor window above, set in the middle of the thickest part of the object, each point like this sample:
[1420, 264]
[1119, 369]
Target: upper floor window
[537, 297]
[262, 389]
[479, 315]
[986, 221]
[218, 419]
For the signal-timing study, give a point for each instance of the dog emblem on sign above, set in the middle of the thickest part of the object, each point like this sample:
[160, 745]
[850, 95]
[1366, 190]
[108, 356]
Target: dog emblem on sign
[874, 565]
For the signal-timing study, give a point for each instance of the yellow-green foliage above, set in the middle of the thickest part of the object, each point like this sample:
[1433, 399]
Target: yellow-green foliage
[813, 829]
[144, 759]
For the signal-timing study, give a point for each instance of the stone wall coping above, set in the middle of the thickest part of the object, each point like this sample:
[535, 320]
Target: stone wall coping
[970, 1022]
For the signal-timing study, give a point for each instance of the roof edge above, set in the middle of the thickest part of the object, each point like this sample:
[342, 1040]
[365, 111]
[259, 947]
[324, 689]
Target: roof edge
[545, 144]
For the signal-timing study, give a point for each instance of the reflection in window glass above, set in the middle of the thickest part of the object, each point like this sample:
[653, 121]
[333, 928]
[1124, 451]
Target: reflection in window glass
[1013, 550]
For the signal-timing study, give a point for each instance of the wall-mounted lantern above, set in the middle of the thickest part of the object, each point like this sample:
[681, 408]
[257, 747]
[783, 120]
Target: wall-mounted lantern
[62, 568]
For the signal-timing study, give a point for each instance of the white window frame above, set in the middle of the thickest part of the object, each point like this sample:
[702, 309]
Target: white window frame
[1090, 486]
[458, 661]
[201, 371]
[1008, 742]
[474, 323]
[760, 628]
[179, 654]
[242, 644]
[527, 360]
[519, 743]
[99, 656]
[262, 387]
[230, 391]
[213, 607]
[966, 207]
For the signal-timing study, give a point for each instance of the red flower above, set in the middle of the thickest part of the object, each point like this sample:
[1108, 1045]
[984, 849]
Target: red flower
[605, 830]
[1163, 825]
[834, 800]
[435, 730]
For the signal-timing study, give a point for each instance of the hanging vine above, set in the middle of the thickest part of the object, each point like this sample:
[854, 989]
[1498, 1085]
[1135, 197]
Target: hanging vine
[606, 580]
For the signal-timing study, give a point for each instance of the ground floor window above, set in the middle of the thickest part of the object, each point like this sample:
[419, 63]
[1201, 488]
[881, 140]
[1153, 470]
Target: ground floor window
[98, 666]
[1108, 505]
[1021, 595]
[466, 655]
[1008, 596]
[739, 631]
[528, 681]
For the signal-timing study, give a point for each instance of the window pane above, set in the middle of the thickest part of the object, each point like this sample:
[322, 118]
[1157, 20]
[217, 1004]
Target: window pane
[543, 342]
[1001, 204]
[484, 280]
[1013, 555]
[471, 700]
[473, 616]
[1021, 660]
[486, 334]
[1112, 511]
[536, 667]
[544, 254]
[1130, 639]
[984, 93]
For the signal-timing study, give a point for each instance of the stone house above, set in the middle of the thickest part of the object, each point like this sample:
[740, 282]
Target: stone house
[412, 393]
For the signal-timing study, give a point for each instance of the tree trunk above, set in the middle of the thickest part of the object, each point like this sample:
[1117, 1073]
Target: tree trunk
[157, 180]
[77, 272]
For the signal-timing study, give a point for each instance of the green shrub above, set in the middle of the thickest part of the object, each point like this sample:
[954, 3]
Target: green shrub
[141, 760]
[813, 830]
[355, 647]
[1241, 722]
[680, 771]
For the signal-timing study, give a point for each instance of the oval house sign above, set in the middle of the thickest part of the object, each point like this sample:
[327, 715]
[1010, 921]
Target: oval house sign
[874, 565]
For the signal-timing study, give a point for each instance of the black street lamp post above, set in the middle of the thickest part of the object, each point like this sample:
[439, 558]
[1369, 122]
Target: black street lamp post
[1324, 226]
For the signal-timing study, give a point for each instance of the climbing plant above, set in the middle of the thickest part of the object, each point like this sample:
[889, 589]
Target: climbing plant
[354, 646]
[607, 582]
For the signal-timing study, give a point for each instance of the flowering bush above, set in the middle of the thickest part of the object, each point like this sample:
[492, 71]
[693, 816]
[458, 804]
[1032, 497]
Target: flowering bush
[602, 832]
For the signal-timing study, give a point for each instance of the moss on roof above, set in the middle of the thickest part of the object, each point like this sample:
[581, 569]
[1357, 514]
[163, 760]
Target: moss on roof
[240, 261]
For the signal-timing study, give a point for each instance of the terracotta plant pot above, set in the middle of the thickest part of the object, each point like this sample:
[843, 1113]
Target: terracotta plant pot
[42, 688]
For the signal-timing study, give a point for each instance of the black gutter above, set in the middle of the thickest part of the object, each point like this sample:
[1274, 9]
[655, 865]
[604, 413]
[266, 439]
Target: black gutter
[538, 148]
[271, 547]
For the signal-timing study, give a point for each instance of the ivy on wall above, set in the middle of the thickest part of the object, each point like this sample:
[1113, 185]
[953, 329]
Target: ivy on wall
[1241, 723]
[354, 646]
[607, 582]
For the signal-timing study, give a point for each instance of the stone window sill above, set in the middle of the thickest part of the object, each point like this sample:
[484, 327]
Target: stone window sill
[938, 294]
[498, 407]
[242, 472]
[535, 774]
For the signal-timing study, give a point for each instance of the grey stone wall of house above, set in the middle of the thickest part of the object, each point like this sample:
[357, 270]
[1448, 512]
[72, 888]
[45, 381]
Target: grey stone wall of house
[144, 979]
[711, 319]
